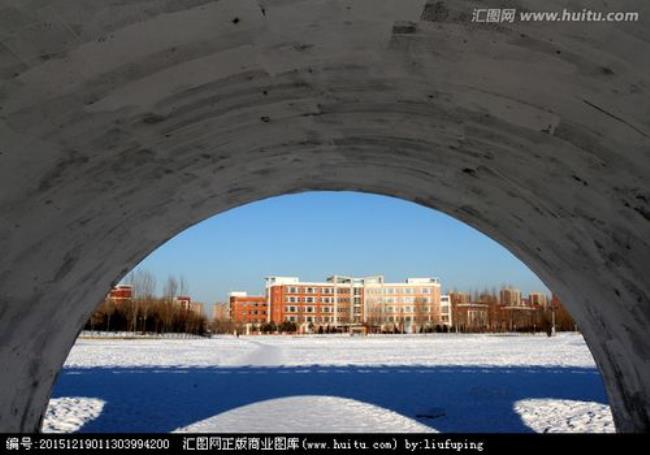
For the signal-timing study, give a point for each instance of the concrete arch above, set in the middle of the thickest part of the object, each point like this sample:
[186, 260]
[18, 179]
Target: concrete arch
[123, 124]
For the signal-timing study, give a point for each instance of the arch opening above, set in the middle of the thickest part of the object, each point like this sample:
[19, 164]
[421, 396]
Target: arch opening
[557, 248]
[501, 384]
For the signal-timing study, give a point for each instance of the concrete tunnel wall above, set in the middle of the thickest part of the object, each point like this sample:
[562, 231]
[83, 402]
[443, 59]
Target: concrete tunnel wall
[122, 123]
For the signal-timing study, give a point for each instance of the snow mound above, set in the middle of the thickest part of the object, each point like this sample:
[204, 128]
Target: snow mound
[307, 414]
[69, 414]
[565, 416]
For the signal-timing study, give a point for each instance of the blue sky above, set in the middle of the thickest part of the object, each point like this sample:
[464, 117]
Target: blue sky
[317, 234]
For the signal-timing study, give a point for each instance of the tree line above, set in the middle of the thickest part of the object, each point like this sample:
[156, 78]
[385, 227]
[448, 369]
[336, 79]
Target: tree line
[147, 313]
[497, 318]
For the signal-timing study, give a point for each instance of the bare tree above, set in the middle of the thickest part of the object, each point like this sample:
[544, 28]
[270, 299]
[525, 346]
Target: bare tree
[148, 283]
[170, 289]
[184, 287]
[108, 309]
[144, 287]
[170, 292]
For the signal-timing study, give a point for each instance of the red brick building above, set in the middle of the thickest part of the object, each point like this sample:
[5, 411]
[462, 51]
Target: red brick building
[121, 293]
[248, 309]
[185, 302]
[356, 303]
[308, 303]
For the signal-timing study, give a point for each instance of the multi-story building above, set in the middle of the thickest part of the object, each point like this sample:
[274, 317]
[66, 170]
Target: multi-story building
[196, 308]
[457, 297]
[516, 312]
[408, 306]
[510, 297]
[446, 310]
[538, 299]
[468, 315]
[335, 302]
[185, 302]
[221, 311]
[121, 293]
[350, 302]
[247, 309]
[471, 316]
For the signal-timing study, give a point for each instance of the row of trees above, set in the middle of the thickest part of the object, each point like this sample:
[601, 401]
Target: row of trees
[147, 313]
[229, 326]
[425, 316]
[494, 317]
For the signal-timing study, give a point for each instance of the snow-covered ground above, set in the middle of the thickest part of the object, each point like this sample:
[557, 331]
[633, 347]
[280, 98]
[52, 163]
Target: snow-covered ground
[441, 382]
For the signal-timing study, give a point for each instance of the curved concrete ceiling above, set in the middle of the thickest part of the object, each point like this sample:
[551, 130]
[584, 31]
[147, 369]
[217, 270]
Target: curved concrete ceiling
[122, 123]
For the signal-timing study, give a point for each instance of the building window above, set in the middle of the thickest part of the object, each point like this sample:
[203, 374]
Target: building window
[310, 309]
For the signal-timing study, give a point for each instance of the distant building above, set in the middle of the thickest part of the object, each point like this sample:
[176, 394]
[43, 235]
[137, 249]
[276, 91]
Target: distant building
[221, 311]
[410, 306]
[517, 313]
[510, 297]
[538, 299]
[470, 316]
[247, 309]
[353, 302]
[446, 310]
[121, 293]
[456, 297]
[185, 302]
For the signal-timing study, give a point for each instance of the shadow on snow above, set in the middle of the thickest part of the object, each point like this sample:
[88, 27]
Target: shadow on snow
[474, 399]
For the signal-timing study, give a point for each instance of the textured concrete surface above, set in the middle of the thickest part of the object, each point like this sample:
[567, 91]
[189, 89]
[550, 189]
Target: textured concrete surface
[124, 122]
